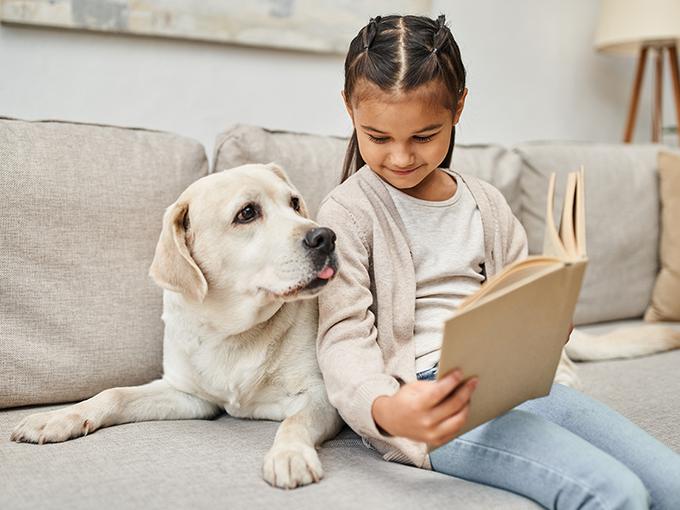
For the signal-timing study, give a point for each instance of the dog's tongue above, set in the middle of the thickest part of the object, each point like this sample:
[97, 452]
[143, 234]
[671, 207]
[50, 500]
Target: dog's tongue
[326, 273]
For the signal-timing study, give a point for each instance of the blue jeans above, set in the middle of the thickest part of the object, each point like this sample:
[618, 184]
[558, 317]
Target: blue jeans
[565, 450]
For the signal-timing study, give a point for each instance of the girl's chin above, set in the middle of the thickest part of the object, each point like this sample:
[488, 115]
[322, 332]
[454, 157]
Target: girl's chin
[404, 180]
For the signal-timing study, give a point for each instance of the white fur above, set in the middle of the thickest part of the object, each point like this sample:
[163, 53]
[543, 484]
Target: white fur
[624, 342]
[238, 334]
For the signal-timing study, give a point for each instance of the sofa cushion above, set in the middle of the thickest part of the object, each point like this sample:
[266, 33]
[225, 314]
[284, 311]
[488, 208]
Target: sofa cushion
[314, 162]
[80, 214]
[665, 303]
[622, 220]
[212, 465]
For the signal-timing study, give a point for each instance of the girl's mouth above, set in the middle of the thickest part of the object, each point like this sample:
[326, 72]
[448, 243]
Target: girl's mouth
[405, 171]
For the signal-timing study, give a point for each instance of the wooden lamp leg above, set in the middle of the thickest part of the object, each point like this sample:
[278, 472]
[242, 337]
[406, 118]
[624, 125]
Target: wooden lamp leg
[675, 75]
[657, 114]
[635, 97]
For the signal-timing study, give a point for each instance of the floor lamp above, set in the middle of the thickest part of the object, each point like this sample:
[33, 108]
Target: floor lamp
[643, 27]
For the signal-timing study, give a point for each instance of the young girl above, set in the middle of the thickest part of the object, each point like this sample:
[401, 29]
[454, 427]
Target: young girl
[414, 238]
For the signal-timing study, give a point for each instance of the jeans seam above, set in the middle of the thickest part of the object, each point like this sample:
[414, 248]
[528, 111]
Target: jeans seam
[544, 466]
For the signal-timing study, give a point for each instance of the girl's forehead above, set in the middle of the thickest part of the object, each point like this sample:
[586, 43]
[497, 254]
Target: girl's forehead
[406, 110]
[432, 96]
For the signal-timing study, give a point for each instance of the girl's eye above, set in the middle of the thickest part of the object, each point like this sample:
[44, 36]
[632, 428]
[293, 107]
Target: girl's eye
[295, 204]
[423, 139]
[377, 139]
[247, 214]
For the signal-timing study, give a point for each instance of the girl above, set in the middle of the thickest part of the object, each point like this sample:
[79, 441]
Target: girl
[414, 238]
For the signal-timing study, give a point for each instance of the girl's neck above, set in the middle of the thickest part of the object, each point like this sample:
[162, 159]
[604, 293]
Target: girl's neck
[436, 187]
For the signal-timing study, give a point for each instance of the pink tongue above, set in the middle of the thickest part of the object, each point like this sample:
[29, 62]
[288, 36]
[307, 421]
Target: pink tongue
[326, 273]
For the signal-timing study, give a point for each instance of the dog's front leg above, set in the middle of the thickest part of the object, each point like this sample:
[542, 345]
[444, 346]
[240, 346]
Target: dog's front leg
[156, 400]
[292, 460]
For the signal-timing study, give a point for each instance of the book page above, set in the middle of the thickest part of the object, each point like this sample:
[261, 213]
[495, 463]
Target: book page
[567, 232]
[552, 245]
[580, 214]
[510, 274]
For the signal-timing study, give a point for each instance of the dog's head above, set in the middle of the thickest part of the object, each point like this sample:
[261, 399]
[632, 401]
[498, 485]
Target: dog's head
[245, 231]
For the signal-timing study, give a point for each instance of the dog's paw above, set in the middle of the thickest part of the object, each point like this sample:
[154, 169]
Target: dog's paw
[52, 427]
[290, 466]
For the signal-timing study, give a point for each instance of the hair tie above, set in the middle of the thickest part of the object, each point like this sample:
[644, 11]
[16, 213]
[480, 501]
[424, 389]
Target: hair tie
[440, 36]
[370, 32]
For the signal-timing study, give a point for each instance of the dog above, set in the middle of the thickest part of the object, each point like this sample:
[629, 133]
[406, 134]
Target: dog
[241, 263]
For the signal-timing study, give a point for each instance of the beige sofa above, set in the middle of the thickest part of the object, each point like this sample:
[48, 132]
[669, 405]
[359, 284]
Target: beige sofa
[80, 212]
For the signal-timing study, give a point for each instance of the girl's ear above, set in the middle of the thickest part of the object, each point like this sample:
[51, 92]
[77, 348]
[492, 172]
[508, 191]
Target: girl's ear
[459, 106]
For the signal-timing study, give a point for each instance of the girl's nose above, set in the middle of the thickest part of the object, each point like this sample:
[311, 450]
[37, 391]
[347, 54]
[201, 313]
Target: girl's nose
[403, 158]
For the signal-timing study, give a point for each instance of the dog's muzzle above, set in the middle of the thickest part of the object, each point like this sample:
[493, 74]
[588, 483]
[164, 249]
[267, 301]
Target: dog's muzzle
[321, 244]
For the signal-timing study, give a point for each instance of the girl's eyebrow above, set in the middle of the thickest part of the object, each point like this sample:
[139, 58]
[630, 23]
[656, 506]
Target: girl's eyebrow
[426, 128]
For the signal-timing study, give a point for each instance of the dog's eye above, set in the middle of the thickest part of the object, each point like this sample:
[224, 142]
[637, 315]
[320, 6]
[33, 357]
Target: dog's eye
[295, 204]
[247, 214]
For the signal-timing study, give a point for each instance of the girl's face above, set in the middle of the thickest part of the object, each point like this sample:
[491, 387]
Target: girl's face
[403, 137]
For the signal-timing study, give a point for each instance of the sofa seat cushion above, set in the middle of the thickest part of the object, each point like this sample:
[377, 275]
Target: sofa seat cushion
[80, 214]
[646, 390]
[213, 464]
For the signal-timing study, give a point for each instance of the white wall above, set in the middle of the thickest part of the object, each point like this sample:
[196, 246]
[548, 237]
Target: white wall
[532, 75]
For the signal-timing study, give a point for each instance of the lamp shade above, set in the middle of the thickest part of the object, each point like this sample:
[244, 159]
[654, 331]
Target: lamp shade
[624, 25]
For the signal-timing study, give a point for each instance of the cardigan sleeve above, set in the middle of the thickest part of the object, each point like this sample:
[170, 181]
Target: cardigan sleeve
[349, 356]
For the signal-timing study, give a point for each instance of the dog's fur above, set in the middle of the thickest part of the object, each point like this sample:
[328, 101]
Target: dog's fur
[239, 335]
[624, 342]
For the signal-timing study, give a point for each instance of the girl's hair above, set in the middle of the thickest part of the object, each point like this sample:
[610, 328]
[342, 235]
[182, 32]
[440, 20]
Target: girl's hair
[399, 54]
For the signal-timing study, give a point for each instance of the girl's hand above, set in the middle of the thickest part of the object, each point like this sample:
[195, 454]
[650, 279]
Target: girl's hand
[426, 411]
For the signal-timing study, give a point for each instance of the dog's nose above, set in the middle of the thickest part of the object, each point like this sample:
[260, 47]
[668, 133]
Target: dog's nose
[322, 239]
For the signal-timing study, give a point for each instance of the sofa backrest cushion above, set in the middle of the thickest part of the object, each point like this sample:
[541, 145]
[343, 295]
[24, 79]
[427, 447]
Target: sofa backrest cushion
[80, 214]
[622, 220]
[314, 162]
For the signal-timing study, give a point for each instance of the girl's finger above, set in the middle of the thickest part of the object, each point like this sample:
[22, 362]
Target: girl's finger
[449, 428]
[439, 390]
[454, 403]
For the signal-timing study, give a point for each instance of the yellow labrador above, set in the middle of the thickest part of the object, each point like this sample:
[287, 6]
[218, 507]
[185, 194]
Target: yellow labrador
[239, 260]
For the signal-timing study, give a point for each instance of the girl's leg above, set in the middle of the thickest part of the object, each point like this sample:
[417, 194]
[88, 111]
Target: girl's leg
[654, 463]
[527, 454]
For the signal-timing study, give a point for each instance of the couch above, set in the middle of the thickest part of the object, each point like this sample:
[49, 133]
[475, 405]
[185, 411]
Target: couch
[80, 213]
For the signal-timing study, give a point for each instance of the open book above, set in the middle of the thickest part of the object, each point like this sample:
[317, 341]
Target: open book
[510, 333]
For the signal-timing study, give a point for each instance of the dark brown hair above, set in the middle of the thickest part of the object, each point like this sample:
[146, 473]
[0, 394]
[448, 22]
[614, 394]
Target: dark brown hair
[399, 54]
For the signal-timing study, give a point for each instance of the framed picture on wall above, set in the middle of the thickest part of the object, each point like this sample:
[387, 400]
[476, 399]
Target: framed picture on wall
[309, 25]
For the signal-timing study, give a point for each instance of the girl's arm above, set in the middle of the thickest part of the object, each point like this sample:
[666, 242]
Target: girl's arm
[349, 356]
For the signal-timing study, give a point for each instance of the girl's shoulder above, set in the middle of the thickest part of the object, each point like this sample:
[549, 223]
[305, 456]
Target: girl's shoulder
[352, 205]
[483, 191]
[352, 194]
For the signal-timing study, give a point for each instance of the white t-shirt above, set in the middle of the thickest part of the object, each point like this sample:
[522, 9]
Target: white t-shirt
[447, 244]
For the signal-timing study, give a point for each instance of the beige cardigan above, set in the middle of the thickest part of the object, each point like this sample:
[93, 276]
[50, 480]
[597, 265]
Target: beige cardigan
[367, 313]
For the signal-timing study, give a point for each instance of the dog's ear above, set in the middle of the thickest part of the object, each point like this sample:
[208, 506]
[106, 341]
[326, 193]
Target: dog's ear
[280, 172]
[173, 268]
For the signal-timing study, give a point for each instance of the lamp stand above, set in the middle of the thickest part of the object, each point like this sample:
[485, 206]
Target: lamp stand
[671, 48]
